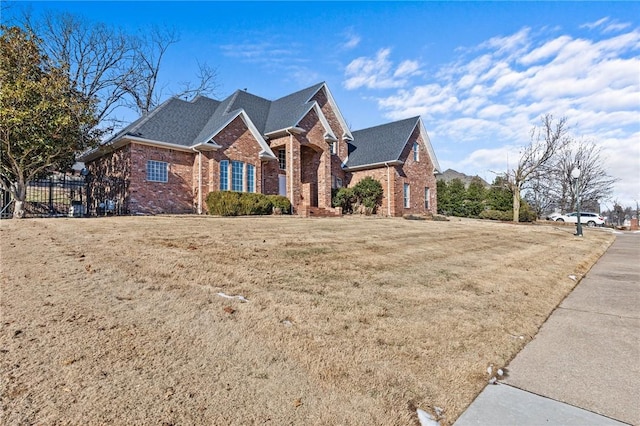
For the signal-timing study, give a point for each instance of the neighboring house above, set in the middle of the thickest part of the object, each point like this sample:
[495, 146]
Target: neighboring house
[298, 146]
[450, 174]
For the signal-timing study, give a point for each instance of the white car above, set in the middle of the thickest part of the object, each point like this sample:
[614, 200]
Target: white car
[586, 218]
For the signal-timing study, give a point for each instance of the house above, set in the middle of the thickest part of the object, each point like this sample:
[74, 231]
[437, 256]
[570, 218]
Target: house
[298, 146]
[450, 174]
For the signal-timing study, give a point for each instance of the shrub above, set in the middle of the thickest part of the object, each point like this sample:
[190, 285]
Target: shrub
[526, 214]
[496, 215]
[223, 203]
[280, 202]
[368, 192]
[229, 203]
[254, 204]
[345, 198]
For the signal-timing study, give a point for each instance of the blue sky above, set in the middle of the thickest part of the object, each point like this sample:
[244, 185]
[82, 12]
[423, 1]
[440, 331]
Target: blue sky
[481, 74]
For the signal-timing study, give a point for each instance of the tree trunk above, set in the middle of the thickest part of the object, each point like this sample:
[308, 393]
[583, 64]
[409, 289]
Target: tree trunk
[19, 193]
[516, 204]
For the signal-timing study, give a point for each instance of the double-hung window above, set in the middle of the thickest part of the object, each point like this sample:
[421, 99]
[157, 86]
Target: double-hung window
[426, 198]
[237, 175]
[251, 174]
[407, 200]
[157, 171]
[282, 159]
[416, 151]
[224, 175]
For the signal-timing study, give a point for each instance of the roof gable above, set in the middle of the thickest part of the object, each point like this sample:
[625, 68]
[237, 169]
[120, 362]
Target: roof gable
[380, 144]
[287, 111]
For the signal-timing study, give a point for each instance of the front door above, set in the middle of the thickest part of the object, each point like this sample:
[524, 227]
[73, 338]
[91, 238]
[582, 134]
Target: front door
[282, 185]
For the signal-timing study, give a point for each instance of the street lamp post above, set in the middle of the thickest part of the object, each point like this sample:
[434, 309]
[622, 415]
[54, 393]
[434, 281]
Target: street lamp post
[575, 174]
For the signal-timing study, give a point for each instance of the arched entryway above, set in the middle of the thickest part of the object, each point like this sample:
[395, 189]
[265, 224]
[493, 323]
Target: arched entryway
[310, 159]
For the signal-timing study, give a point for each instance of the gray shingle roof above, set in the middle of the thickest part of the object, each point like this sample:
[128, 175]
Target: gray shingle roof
[191, 123]
[188, 123]
[175, 121]
[380, 144]
[286, 111]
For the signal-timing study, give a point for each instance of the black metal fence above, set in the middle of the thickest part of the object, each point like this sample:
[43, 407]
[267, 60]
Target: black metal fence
[62, 195]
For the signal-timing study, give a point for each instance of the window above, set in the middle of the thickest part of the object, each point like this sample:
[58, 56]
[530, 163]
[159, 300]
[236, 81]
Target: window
[251, 173]
[282, 159]
[334, 147]
[224, 175]
[426, 198]
[237, 174]
[407, 201]
[338, 182]
[157, 171]
[416, 151]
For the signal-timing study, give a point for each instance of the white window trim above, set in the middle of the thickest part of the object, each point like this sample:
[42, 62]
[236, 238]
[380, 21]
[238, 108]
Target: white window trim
[242, 177]
[226, 172]
[427, 193]
[416, 151]
[250, 182]
[407, 195]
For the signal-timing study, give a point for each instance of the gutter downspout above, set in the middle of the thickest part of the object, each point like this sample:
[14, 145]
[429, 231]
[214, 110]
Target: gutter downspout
[388, 190]
[290, 161]
[199, 180]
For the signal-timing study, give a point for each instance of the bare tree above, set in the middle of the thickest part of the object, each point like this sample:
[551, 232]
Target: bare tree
[97, 57]
[594, 183]
[544, 143]
[111, 66]
[142, 84]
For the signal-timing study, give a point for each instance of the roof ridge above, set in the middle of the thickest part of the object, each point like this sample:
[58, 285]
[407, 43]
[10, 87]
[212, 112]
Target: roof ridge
[417, 117]
[233, 97]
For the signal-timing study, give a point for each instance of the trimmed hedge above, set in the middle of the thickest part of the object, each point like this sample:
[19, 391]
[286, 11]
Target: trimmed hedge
[526, 215]
[229, 203]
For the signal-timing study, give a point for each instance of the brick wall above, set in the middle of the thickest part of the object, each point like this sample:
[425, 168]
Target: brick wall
[239, 144]
[379, 174]
[419, 175]
[342, 147]
[173, 196]
[316, 164]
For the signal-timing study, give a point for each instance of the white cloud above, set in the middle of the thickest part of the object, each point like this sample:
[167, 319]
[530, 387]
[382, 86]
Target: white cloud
[378, 72]
[509, 44]
[596, 24]
[491, 96]
[607, 25]
[352, 40]
[407, 68]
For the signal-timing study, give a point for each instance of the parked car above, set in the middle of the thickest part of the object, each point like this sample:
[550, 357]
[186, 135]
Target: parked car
[554, 216]
[586, 218]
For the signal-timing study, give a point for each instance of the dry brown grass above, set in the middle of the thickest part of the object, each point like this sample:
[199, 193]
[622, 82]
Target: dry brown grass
[349, 321]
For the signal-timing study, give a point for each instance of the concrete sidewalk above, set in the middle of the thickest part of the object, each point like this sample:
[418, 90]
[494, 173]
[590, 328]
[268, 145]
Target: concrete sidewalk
[583, 366]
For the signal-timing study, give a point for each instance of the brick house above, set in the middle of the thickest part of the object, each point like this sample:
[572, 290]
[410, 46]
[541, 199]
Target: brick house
[298, 146]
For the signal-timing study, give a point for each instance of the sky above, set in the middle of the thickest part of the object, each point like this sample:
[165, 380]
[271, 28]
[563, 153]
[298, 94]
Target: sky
[480, 74]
